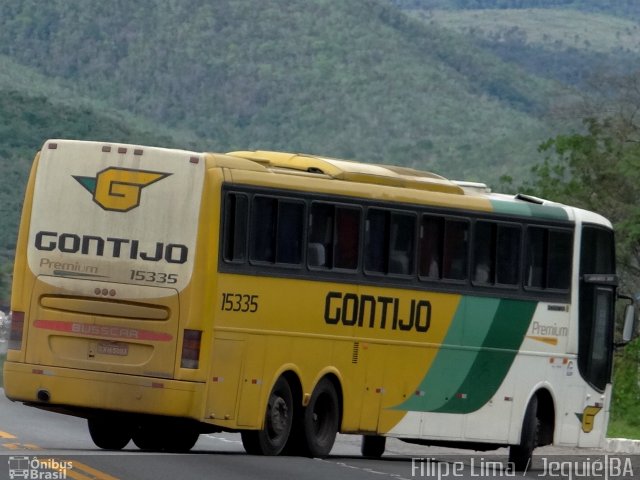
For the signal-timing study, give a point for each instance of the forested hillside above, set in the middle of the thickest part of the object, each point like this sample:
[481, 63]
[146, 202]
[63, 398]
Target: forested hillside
[350, 79]
[566, 41]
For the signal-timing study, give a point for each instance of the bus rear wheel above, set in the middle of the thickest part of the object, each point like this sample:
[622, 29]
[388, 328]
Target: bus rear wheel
[321, 419]
[181, 441]
[109, 433]
[148, 438]
[272, 439]
[520, 454]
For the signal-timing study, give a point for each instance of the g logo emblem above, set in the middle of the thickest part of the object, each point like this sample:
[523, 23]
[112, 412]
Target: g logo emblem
[587, 417]
[119, 189]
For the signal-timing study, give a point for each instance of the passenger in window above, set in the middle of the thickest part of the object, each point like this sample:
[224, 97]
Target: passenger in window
[434, 269]
[430, 255]
[320, 247]
[482, 273]
[455, 256]
[316, 255]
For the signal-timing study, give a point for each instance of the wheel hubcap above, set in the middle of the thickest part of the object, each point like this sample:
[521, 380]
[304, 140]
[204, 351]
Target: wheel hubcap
[278, 416]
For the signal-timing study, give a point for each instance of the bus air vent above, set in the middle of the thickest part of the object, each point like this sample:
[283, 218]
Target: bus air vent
[529, 198]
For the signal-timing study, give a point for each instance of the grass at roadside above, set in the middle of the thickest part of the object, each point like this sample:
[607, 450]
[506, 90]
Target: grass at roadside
[625, 406]
[619, 428]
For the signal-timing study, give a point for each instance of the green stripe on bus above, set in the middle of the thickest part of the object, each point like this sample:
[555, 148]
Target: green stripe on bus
[494, 360]
[477, 352]
[529, 210]
[461, 346]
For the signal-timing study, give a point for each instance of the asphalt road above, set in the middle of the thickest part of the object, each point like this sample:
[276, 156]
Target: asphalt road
[39, 444]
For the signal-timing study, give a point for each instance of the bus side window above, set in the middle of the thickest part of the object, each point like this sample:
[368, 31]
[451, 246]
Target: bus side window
[548, 258]
[263, 229]
[430, 248]
[508, 247]
[560, 250]
[347, 238]
[235, 227]
[536, 257]
[456, 250]
[276, 230]
[320, 243]
[496, 254]
[402, 243]
[390, 242]
[484, 247]
[376, 238]
[290, 232]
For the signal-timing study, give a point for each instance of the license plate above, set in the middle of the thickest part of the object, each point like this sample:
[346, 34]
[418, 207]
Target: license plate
[120, 349]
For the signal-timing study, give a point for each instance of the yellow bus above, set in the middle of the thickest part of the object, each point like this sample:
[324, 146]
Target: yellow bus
[164, 293]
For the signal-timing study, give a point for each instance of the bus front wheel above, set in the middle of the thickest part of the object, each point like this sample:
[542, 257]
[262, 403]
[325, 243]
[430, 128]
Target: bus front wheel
[373, 446]
[321, 419]
[520, 454]
[272, 439]
[109, 433]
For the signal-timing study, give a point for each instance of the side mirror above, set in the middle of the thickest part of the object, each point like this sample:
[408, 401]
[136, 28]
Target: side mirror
[629, 328]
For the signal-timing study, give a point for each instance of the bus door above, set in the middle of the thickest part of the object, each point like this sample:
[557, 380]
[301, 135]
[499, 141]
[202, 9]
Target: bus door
[598, 284]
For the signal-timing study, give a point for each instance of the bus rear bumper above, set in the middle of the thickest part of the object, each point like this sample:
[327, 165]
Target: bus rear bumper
[73, 389]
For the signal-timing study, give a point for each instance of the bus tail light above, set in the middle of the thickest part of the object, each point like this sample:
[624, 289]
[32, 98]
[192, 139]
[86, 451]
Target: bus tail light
[16, 330]
[191, 348]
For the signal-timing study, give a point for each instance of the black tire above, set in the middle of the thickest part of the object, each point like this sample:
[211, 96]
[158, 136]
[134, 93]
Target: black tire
[373, 446]
[149, 438]
[109, 433]
[164, 435]
[250, 442]
[321, 419]
[520, 455]
[296, 445]
[278, 420]
[181, 441]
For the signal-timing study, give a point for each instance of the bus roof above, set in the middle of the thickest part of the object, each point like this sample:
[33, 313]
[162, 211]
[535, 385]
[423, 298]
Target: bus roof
[388, 175]
[402, 177]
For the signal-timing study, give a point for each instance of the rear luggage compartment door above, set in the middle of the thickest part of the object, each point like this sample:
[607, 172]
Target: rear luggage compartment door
[79, 324]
